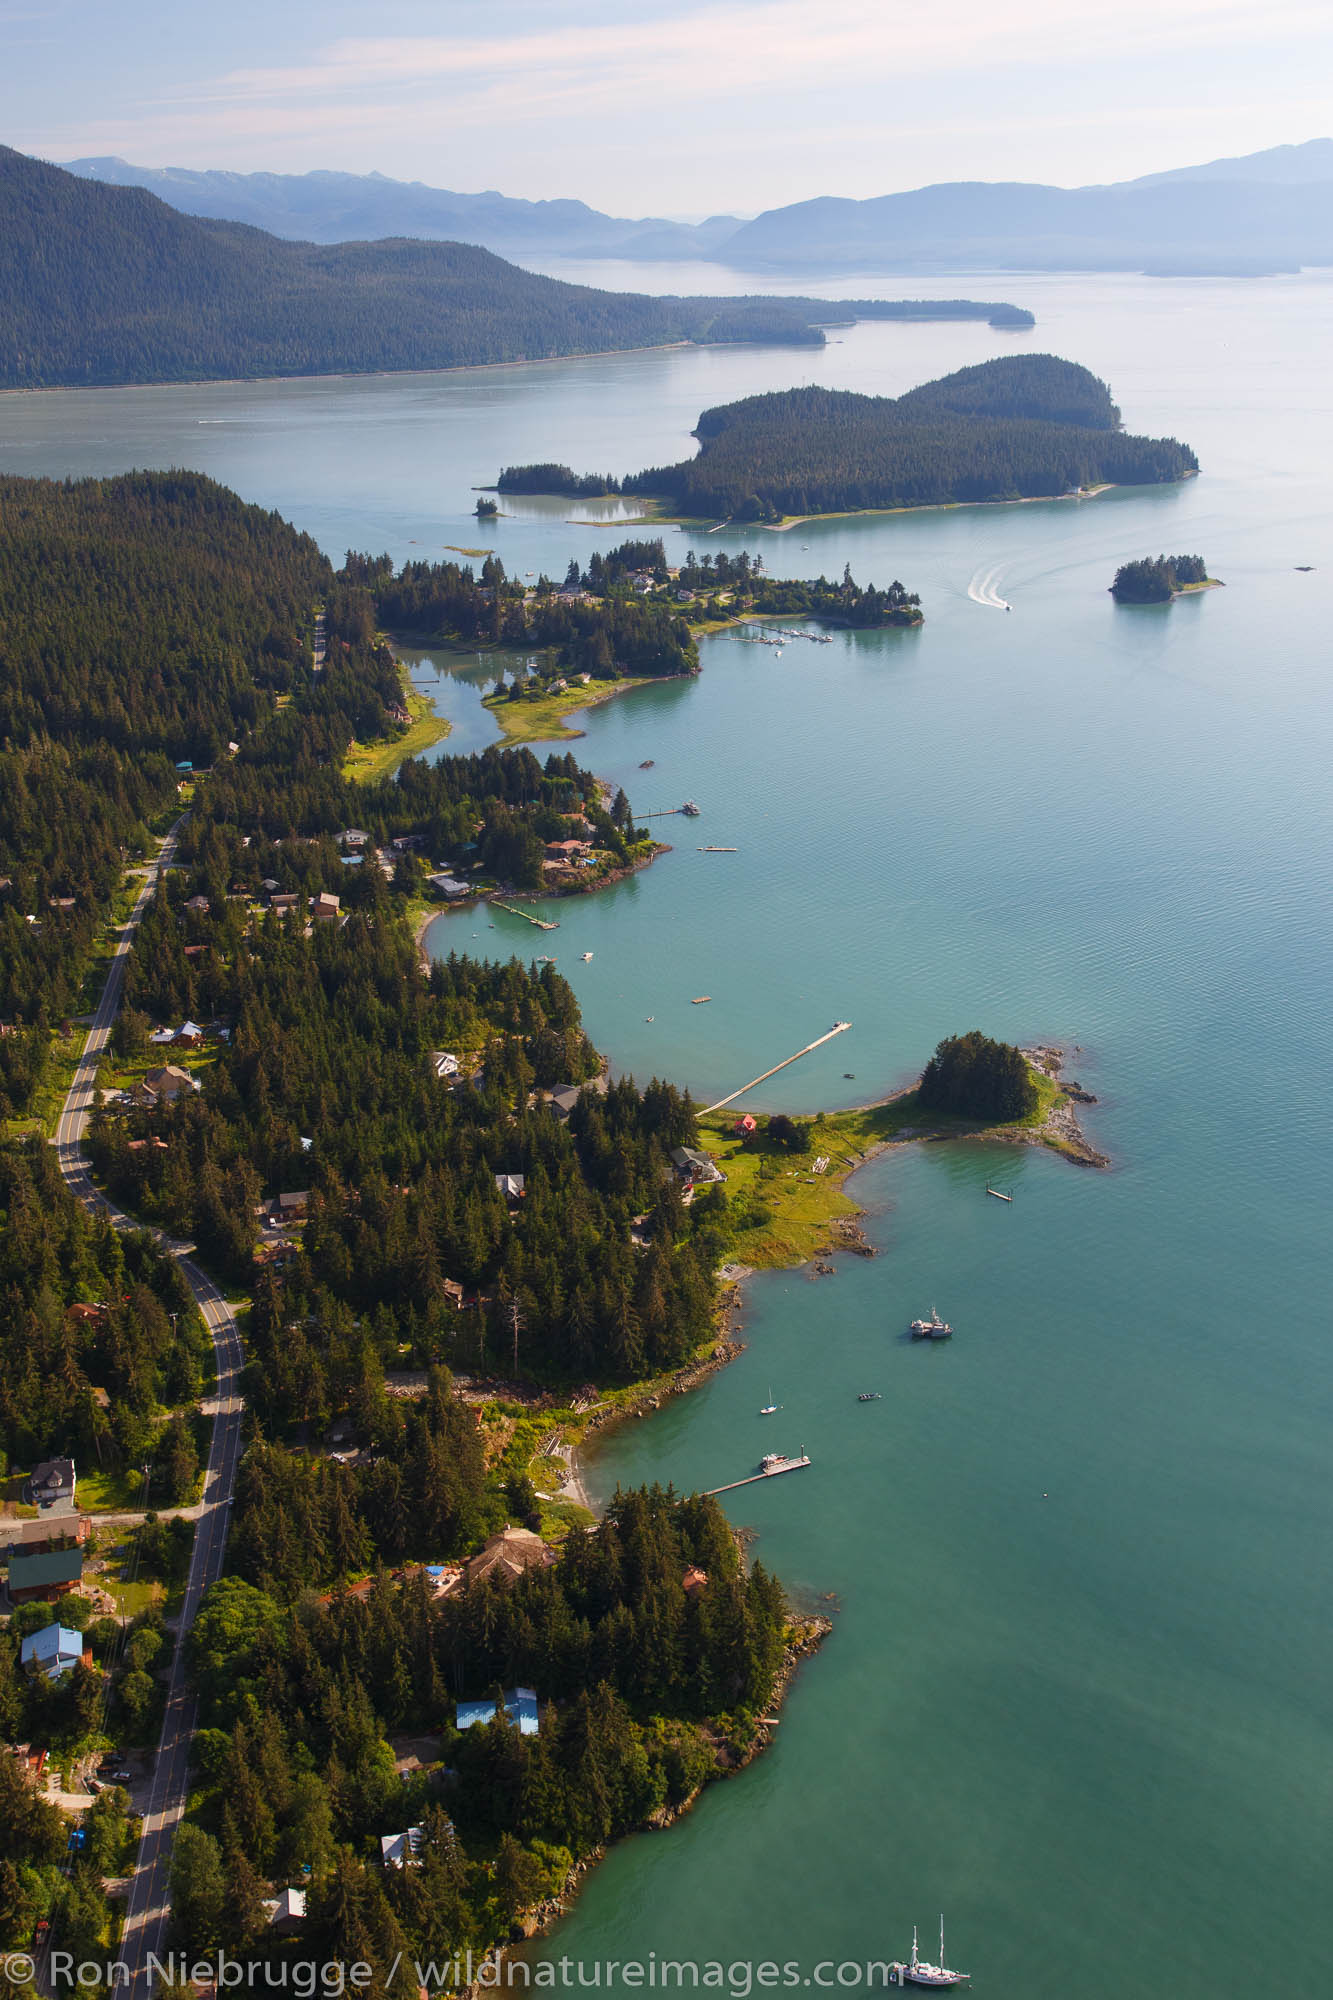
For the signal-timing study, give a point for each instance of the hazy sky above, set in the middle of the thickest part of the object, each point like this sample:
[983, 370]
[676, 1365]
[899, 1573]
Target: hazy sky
[668, 106]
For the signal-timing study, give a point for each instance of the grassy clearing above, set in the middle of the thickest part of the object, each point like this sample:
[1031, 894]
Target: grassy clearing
[104, 1492]
[540, 718]
[367, 761]
[792, 1207]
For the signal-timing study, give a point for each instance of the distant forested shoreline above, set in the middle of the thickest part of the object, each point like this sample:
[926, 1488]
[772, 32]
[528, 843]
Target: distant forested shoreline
[103, 284]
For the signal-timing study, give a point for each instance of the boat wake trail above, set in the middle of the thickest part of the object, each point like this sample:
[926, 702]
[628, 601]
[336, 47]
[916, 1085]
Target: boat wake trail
[982, 588]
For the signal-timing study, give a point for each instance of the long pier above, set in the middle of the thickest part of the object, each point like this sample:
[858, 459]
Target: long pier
[838, 1028]
[774, 1472]
[542, 923]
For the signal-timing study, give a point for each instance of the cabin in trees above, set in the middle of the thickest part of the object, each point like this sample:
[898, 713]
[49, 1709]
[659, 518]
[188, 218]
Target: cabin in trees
[54, 1480]
[287, 1913]
[402, 1850]
[325, 908]
[520, 1707]
[511, 1186]
[51, 1652]
[507, 1555]
[442, 1064]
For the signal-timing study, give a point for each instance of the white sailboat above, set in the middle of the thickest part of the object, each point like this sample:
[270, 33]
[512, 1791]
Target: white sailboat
[770, 1408]
[919, 1971]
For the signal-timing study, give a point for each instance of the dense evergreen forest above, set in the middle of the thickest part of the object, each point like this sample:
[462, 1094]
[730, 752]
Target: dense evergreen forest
[1000, 431]
[1022, 426]
[145, 621]
[975, 1077]
[82, 1310]
[109, 284]
[645, 1689]
[1156, 582]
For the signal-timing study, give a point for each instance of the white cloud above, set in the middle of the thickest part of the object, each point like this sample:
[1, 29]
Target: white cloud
[864, 98]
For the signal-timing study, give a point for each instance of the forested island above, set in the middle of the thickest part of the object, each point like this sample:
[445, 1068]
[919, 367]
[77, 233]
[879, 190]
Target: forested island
[104, 284]
[1020, 427]
[1158, 581]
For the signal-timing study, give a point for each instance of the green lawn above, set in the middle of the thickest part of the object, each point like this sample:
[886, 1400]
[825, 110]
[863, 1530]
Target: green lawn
[540, 718]
[366, 761]
[803, 1204]
[104, 1492]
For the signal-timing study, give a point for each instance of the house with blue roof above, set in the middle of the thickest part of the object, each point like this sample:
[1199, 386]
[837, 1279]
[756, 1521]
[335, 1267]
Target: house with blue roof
[52, 1651]
[520, 1706]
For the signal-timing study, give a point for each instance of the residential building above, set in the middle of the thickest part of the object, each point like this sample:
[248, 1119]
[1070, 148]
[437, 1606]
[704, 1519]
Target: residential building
[164, 1086]
[54, 1479]
[520, 1705]
[508, 1554]
[43, 1573]
[511, 1186]
[692, 1165]
[52, 1652]
[443, 1065]
[325, 907]
[401, 1850]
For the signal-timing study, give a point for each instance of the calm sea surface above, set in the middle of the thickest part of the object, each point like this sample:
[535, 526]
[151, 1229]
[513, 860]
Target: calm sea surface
[1078, 1692]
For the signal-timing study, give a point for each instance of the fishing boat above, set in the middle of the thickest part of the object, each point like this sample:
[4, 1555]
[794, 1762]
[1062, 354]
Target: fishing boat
[869, 1396]
[647, 763]
[933, 1328]
[919, 1971]
[690, 809]
[586, 956]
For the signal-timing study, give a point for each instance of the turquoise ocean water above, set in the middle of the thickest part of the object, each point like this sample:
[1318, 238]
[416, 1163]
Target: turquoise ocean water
[1078, 1690]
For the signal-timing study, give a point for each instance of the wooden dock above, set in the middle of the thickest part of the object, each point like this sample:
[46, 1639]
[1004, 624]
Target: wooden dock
[774, 1472]
[542, 923]
[838, 1028]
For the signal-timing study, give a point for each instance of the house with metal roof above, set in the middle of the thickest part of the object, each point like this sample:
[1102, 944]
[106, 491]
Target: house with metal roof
[520, 1706]
[52, 1651]
[401, 1850]
[43, 1573]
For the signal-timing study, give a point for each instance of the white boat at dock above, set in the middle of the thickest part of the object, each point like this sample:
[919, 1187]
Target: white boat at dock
[918, 1971]
[774, 1462]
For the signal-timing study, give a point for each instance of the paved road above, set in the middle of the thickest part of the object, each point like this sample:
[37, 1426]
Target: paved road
[145, 1924]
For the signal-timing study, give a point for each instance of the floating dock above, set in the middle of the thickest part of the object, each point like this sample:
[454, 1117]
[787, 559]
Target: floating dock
[771, 1472]
[998, 1195]
[838, 1028]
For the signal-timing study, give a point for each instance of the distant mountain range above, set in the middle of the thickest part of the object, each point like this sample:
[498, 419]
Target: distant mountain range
[109, 284]
[1268, 211]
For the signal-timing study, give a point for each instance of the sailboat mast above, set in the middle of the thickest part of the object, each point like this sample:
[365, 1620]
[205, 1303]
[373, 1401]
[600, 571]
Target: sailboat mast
[941, 1938]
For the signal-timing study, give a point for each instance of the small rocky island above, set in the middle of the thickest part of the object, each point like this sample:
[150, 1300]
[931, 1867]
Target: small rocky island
[1158, 580]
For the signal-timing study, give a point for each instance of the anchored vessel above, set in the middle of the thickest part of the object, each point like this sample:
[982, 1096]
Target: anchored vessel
[869, 1396]
[933, 1328]
[919, 1971]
